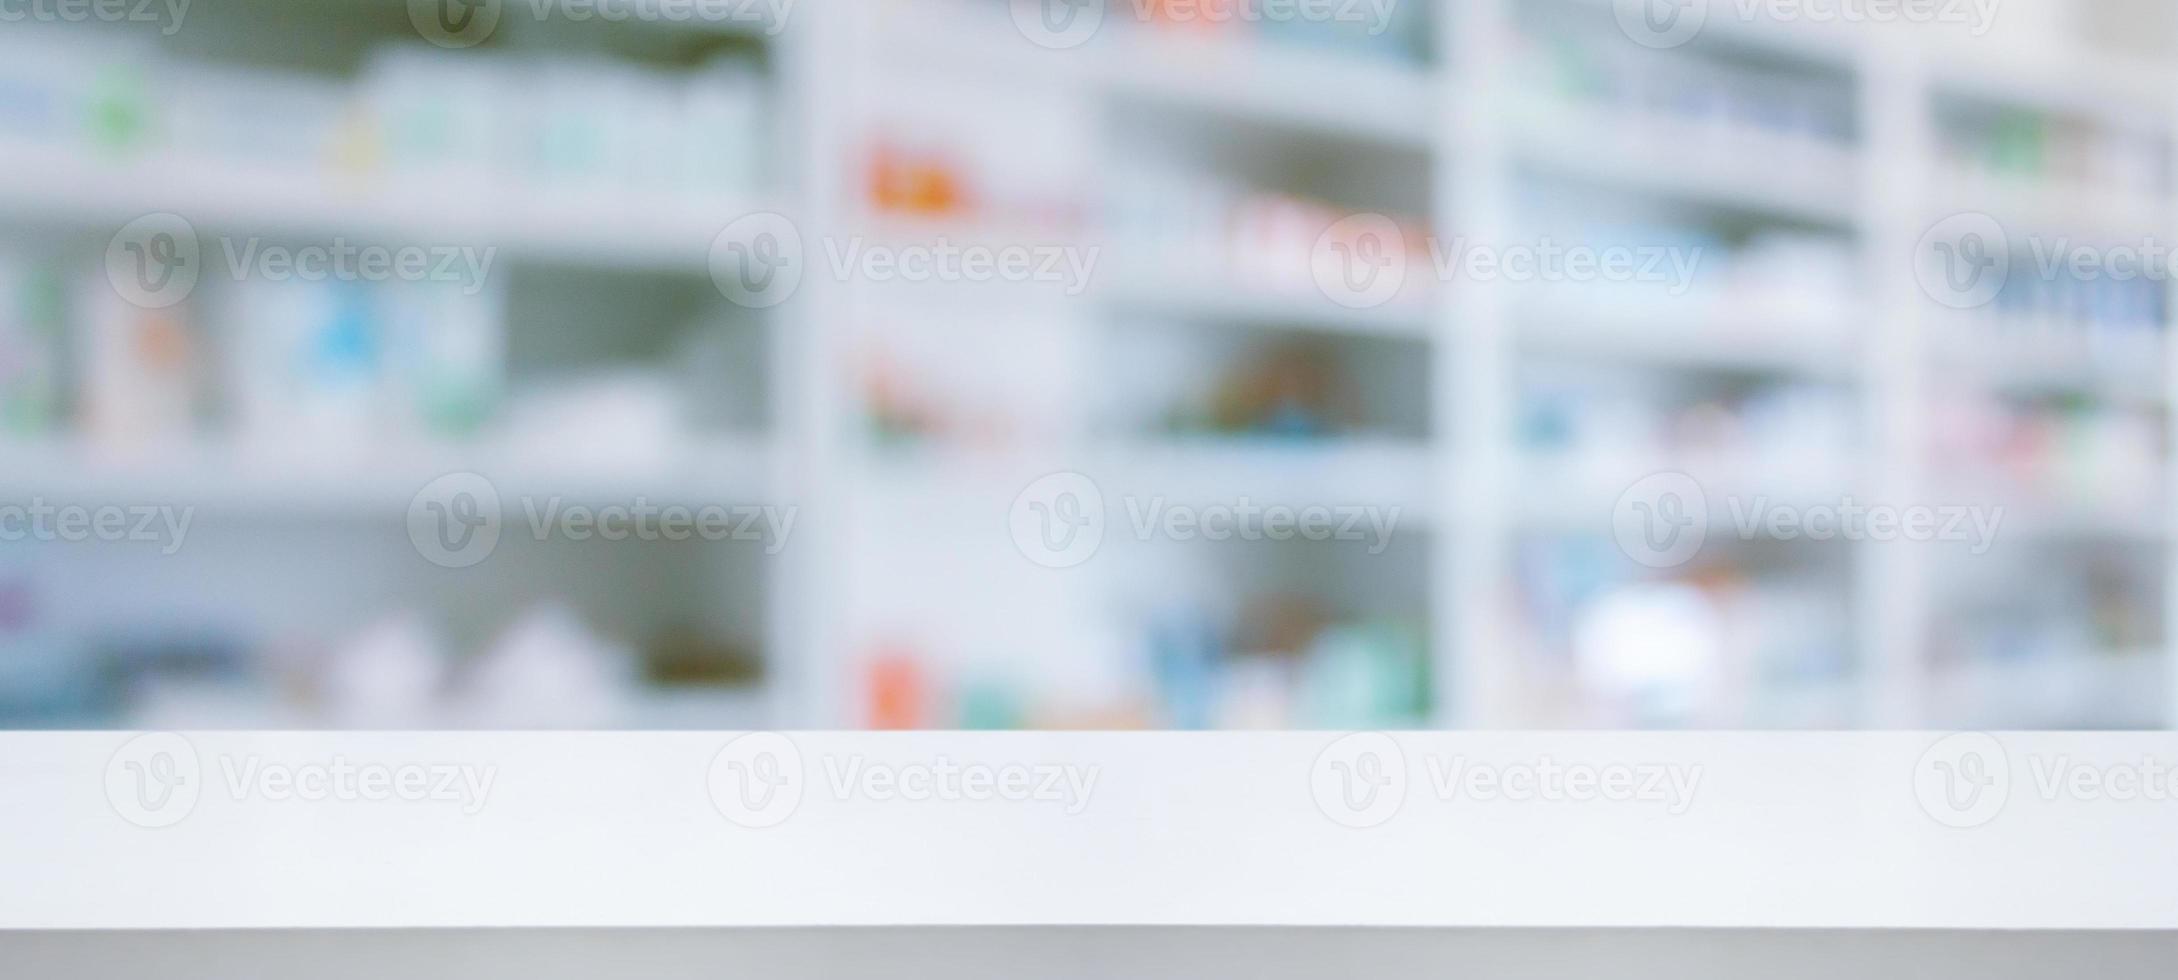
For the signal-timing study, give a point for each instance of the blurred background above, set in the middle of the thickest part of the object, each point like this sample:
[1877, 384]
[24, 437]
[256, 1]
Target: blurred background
[1151, 364]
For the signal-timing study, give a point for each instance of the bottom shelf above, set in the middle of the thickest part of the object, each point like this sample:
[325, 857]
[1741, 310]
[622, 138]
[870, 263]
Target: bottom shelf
[2109, 690]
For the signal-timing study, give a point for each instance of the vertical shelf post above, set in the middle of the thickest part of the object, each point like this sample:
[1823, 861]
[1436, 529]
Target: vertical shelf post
[1471, 380]
[1891, 594]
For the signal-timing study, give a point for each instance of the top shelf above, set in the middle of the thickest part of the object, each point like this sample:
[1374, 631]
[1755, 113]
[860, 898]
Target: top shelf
[2111, 86]
[1805, 41]
[1369, 99]
[649, 231]
[2107, 87]
[1376, 100]
[238, 476]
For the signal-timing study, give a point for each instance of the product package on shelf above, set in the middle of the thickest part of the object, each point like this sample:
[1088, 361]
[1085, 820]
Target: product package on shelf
[418, 133]
[141, 370]
[448, 344]
[1173, 226]
[1717, 644]
[334, 364]
[1978, 141]
[308, 359]
[1689, 104]
[93, 96]
[33, 335]
[281, 123]
[2050, 451]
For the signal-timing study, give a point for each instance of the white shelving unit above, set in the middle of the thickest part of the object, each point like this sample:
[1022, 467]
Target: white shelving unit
[1887, 198]
[274, 514]
[1466, 483]
[1464, 112]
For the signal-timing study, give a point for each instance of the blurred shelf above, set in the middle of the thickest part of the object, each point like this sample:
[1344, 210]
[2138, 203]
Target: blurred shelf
[2047, 513]
[1580, 492]
[297, 480]
[694, 709]
[2114, 88]
[1339, 472]
[1646, 156]
[974, 484]
[2130, 367]
[1694, 336]
[2111, 689]
[1232, 304]
[250, 709]
[878, 227]
[1223, 101]
[2086, 523]
[1356, 97]
[1808, 704]
[1345, 95]
[619, 229]
[1080, 264]
[1807, 39]
[2053, 208]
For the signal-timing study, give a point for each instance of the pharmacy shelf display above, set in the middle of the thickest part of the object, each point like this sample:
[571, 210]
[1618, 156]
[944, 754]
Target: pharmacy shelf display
[1798, 368]
[1473, 441]
[541, 338]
